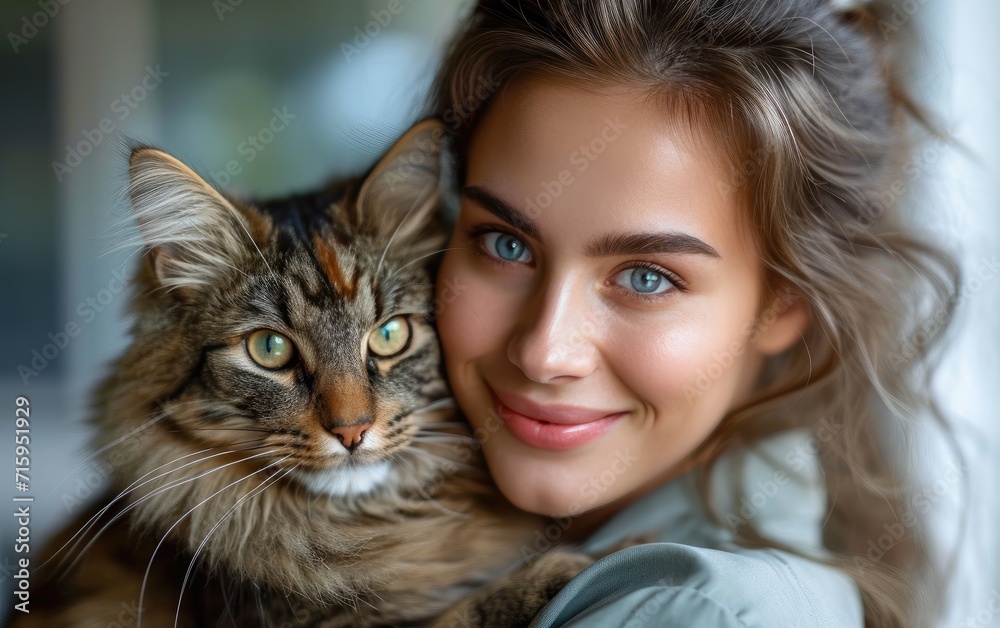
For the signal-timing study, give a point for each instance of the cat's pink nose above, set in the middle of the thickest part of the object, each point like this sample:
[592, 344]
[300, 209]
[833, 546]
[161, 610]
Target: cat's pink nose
[350, 436]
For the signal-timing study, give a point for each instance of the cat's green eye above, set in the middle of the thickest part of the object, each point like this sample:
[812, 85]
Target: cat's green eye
[391, 338]
[270, 349]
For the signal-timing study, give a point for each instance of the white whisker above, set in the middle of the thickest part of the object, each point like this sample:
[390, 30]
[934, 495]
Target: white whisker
[253, 493]
[427, 497]
[152, 494]
[414, 261]
[142, 589]
[442, 402]
[444, 424]
[105, 448]
[104, 509]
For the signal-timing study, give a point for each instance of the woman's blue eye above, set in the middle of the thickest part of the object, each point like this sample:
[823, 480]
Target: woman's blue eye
[645, 280]
[507, 247]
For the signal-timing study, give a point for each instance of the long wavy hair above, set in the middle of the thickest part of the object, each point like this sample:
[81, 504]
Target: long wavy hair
[806, 97]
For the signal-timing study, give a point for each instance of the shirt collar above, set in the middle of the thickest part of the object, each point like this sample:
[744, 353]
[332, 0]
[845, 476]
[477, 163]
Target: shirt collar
[783, 497]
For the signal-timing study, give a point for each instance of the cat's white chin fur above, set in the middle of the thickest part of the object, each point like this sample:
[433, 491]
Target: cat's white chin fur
[346, 481]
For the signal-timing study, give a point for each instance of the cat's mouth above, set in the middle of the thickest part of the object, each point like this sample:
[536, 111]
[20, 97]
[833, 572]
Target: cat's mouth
[349, 480]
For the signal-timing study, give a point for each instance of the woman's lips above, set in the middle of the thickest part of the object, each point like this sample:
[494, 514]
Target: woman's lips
[557, 427]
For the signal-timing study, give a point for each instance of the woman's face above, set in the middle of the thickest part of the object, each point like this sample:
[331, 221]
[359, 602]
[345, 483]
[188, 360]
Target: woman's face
[598, 299]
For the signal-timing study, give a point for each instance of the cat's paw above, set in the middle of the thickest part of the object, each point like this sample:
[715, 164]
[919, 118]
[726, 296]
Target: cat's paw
[519, 596]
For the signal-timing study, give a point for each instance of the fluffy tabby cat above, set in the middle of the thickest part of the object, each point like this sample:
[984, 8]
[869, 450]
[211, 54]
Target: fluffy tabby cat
[286, 451]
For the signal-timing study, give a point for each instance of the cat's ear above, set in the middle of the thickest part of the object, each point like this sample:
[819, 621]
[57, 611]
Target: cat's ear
[401, 195]
[195, 235]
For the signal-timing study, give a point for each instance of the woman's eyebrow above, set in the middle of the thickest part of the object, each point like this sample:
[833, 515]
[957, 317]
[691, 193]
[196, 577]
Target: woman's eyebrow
[502, 210]
[604, 246]
[649, 244]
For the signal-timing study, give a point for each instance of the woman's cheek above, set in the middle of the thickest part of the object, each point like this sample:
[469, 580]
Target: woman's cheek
[469, 312]
[654, 365]
[673, 366]
[455, 316]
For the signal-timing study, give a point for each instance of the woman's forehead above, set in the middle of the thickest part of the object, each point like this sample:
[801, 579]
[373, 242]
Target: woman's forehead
[607, 157]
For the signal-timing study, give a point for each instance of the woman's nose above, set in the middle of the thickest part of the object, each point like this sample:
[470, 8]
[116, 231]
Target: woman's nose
[554, 336]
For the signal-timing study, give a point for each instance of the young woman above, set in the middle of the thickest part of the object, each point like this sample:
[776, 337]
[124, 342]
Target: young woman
[680, 300]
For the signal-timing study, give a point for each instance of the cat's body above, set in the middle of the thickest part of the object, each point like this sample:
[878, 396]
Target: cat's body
[288, 459]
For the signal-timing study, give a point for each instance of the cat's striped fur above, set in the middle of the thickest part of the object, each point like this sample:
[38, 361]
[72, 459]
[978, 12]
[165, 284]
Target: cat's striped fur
[341, 490]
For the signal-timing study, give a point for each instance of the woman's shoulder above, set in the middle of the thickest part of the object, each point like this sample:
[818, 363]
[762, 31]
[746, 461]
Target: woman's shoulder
[671, 584]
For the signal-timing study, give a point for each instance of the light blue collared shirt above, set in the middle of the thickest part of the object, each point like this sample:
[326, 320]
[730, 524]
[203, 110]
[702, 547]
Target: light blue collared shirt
[696, 576]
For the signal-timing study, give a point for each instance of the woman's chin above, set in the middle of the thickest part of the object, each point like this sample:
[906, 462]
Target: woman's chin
[534, 489]
[535, 503]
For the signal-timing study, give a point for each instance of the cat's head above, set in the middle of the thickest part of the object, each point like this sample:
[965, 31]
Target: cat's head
[299, 329]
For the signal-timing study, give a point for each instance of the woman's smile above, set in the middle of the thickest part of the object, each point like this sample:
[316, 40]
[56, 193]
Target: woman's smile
[556, 427]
